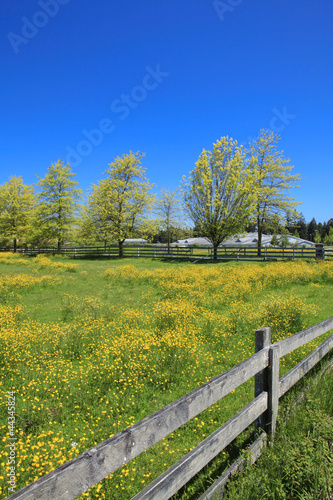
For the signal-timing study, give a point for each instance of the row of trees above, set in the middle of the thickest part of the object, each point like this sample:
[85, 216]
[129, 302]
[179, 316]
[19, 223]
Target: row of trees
[41, 213]
[229, 189]
[312, 231]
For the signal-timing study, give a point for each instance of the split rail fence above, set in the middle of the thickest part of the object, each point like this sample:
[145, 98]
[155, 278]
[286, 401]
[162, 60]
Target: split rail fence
[186, 253]
[75, 477]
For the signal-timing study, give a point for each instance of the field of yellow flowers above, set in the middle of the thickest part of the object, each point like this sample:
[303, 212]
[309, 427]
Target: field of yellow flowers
[89, 348]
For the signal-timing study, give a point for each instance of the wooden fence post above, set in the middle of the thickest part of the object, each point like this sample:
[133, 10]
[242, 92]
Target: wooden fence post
[261, 379]
[320, 251]
[273, 391]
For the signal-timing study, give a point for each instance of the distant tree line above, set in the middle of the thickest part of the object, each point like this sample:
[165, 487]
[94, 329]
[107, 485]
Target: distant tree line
[310, 231]
[230, 190]
[319, 232]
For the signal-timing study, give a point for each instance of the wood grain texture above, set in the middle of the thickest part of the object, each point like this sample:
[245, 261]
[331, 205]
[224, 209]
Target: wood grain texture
[291, 343]
[254, 452]
[296, 373]
[180, 473]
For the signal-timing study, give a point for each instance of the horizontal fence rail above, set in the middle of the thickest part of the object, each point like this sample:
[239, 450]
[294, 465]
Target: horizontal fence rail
[179, 474]
[194, 253]
[76, 476]
[254, 452]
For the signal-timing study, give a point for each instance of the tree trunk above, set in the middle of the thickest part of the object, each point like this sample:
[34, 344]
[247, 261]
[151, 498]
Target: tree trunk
[121, 253]
[15, 245]
[259, 238]
[215, 252]
[59, 245]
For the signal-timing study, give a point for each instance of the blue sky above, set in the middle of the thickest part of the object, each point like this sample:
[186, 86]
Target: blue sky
[87, 81]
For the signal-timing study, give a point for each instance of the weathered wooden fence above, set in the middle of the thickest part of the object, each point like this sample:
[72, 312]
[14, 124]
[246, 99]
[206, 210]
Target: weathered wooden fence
[196, 253]
[74, 477]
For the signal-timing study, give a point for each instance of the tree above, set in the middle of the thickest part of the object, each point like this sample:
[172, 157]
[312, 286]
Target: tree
[94, 221]
[317, 237]
[118, 205]
[17, 201]
[330, 236]
[320, 231]
[220, 193]
[274, 241]
[167, 209]
[302, 227]
[272, 171]
[312, 228]
[284, 241]
[57, 201]
[330, 223]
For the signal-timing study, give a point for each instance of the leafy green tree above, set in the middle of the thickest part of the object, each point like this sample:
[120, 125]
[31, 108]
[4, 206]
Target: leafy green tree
[17, 201]
[272, 172]
[168, 211]
[94, 224]
[118, 205]
[284, 242]
[57, 202]
[274, 241]
[317, 237]
[85, 230]
[320, 230]
[330, 236]
[220, 193]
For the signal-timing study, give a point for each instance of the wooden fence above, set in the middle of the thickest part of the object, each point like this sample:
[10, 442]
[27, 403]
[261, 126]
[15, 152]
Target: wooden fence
[74, 477]
[187, 253]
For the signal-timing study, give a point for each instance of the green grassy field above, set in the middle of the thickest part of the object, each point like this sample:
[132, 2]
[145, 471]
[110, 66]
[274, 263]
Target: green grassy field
[92, 346]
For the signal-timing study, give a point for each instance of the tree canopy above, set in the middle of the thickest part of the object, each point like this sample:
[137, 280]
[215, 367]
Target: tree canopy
[57, 201]
[221, 191]
[274, 179]
[17, 201]
[168, 209]
[117, 206]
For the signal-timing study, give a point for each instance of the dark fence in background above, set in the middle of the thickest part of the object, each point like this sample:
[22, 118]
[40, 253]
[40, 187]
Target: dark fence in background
[195, 253]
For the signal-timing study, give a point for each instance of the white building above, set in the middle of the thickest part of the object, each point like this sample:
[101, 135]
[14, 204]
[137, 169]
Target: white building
[248, 239]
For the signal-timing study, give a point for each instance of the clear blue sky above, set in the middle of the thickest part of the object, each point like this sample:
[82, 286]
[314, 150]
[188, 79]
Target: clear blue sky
[87, 81]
